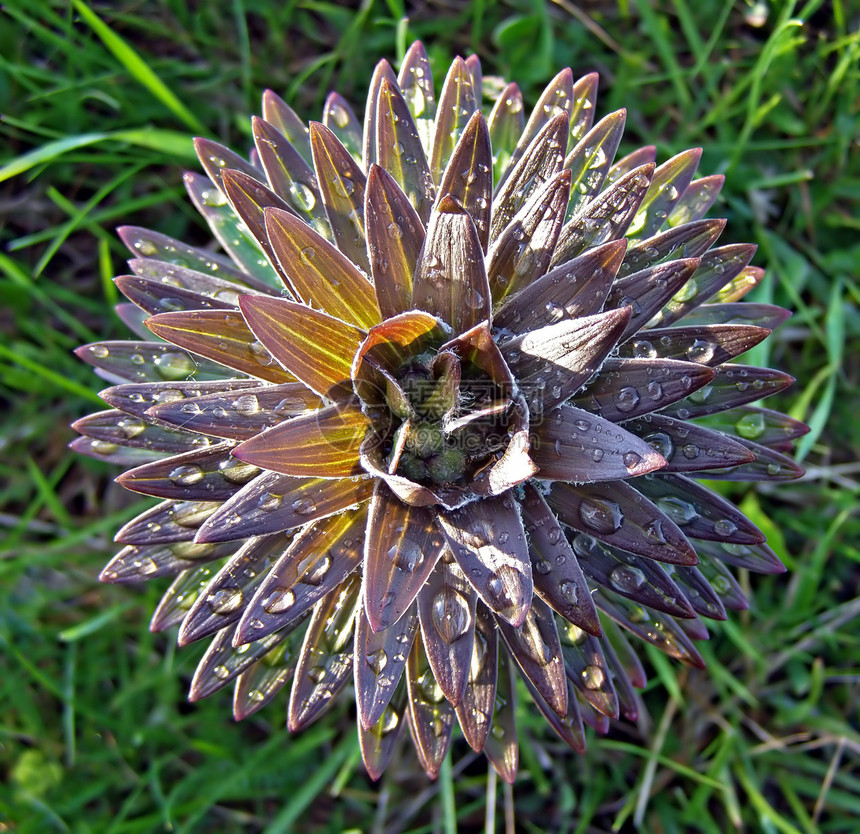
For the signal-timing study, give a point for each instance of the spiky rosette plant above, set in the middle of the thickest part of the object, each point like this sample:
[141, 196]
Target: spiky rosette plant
[439, 416]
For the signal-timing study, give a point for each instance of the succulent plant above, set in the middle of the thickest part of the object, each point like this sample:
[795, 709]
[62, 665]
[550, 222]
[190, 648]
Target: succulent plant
[438, 414]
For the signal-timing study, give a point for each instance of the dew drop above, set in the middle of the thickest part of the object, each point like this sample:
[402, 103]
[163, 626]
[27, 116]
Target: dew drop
[593, 677]
[626, 579]
[99, 351]
[226, 600]
[302, 196]
[569, 592]
[377, 660]
[174, 365]
[724, 527]
[751, 426]
[662, 443]
[600, 515]
[186, 475]
[451, 615]
[280, 599]
[632, 459]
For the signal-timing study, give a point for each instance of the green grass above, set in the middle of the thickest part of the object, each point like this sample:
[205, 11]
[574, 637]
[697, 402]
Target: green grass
[98, 100]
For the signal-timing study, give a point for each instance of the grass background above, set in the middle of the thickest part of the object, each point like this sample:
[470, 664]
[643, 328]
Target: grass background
[98, 102]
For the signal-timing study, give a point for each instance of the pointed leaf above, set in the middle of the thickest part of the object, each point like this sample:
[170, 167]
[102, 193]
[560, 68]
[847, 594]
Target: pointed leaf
[250, 199]
[166, 523]
[717, 268]
[259, 683]
[536, 648]
[647, 291]
[523, 250]
[584, 99]
[574, 445]
[238, 414]
[758, 558]
[416, 83]
[229, 230]
[221, 336]
[704, 600]
[646, 155]
[627, 388]
[380, 658]
[446, 609]
[395, 236]
[138, 397]
[696, 200]
[766, 427]
[289, 174]
[542, 160]
[660, 630]
[284, 119]
[556, 100]
[378, 742]
[121, 429]
[768, 465]
[274, 502]
[319, 559]
[687, 447]
[342, 185]
[431, 716]
[148, 362]
[576, 288]
[450, 280]
[689, 241]
[457, 103]
[156, 297]
[671, 180]
[317, 348]
[143, 243]
[399, 150]
[500, 746]
[222, 662]
[475, 710]
[341, 120]
[588, 669]
[223, 290]
[216, 158]
[558, 579]
[591, 158]
[139, 563]
[617, 514]
[637, 578]
[318, 273]
[707, 344]
[739, 286]
[506, 125]
[468, 177]
[401, 547]
[723, 583]
[606, 217]
[111, 453]
[209, 474]
[569, 727]
[733, 385]
[701, 513]
[553, 362]
[325, 661]
[323, 443]
[488, 542]
[737, 312]
[223, 600]
[381, 72]
[180, 596]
